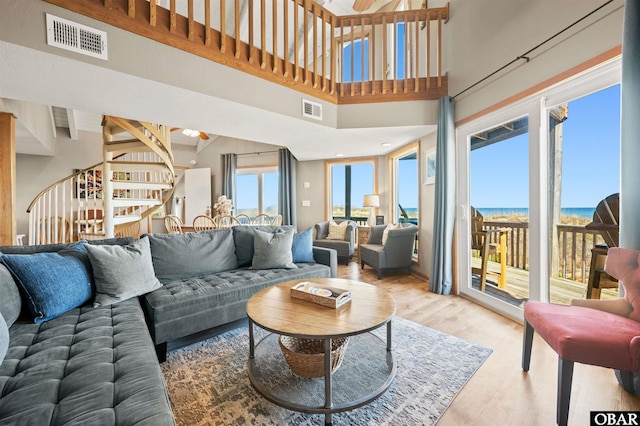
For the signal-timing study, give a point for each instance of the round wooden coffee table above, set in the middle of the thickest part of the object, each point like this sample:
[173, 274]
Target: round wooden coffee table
[368, 367]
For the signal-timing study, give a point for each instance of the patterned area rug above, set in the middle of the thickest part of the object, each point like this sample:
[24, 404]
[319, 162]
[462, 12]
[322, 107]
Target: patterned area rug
[208, 382]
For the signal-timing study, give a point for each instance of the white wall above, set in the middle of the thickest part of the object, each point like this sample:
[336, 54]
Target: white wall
[35, 172]
[312, 172]
[254, 154]
[482, 36]
[427, 196]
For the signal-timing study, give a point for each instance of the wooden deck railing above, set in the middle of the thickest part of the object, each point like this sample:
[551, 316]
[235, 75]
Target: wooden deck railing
[574, 245]
[296, 43]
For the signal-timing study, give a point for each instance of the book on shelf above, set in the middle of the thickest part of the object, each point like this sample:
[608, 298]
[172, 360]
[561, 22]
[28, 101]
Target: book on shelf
[322, 295]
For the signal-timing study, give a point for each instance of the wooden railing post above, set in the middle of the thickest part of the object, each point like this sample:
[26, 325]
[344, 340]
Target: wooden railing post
[195, 34]
[8, 222]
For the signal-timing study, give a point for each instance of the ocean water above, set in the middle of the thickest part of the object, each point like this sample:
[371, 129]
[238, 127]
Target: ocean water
[585, 212]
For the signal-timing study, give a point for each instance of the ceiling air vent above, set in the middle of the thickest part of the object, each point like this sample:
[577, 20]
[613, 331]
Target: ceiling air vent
[76, 37]
[311, 109]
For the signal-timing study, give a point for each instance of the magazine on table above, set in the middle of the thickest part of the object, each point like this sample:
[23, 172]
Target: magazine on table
[323, 295]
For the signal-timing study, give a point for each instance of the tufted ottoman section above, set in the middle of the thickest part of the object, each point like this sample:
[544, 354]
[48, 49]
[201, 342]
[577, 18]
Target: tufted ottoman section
[87, 366]
[190, 305]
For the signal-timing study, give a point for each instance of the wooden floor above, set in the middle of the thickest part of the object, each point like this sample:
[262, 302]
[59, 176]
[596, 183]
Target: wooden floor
[500, 393]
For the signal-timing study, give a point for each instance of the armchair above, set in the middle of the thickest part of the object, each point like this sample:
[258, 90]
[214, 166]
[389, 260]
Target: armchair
[605, 333]
[344, 247]
[395, 253]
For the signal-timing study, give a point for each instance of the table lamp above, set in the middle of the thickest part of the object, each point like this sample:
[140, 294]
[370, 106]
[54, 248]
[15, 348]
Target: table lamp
[372, 201]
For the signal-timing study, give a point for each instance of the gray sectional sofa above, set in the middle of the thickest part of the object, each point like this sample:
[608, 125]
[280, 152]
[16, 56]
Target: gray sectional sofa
[95, 364]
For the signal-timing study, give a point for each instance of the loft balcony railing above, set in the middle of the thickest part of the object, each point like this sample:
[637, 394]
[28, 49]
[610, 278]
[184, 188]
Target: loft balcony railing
[296, 43]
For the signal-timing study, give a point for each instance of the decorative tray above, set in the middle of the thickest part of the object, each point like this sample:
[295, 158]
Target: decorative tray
[332, 297]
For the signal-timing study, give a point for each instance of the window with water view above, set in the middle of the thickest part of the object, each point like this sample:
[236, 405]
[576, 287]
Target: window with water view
[257, 192]
[350, 182]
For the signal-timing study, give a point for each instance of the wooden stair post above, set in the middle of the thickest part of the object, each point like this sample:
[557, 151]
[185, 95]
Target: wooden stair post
[8, 225]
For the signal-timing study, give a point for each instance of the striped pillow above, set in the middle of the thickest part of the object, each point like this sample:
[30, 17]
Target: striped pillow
[337, 231]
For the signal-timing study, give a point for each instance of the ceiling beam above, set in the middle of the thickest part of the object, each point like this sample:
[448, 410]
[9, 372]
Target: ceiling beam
[73, 128]
[202, 144]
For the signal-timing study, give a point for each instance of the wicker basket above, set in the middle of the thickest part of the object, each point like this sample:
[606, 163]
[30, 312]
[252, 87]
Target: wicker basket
[306, 356]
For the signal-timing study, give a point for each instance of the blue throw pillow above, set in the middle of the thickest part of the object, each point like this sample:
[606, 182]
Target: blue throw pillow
[302, 247]
[52, 283]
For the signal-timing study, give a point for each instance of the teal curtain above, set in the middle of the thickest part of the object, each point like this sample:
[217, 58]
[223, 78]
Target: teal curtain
[630, 128]
[229, 165]
[287, 165]
[441, 277]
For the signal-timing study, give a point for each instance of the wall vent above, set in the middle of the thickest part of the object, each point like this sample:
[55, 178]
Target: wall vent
[76, 37]
[311, 109]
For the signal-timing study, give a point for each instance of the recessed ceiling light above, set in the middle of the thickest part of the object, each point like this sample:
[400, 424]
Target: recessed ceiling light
[339, 155]
[386, 144]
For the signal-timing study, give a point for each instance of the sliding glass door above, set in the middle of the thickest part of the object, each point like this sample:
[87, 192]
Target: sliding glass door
[520, 171]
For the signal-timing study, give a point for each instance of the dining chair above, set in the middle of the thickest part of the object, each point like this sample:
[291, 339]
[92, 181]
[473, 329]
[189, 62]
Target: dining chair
[53, 230]
[203, 223]
[173, 224]
[244, 219]
[227, 221]
[261, 219]
[277, 220]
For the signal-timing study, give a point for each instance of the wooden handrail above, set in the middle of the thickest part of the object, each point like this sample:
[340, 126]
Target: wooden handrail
[575, 244]
[87, 203]
[318, 73]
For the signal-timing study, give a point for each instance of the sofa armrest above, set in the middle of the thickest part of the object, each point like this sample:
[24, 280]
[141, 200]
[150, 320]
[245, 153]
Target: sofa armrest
[350, 234]
[327, 256]
[322, 230]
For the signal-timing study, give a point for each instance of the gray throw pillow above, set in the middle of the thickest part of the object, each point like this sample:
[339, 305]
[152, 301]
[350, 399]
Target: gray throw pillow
[194, 254]
[4, 338]
[272, 250]
[122, 272]
[10, 301]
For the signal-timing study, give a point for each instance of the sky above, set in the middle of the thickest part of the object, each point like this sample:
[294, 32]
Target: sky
[590, 158]
[247, 191]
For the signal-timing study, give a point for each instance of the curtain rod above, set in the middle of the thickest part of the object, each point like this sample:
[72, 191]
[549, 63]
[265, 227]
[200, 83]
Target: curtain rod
[524, 55]
[257, 153]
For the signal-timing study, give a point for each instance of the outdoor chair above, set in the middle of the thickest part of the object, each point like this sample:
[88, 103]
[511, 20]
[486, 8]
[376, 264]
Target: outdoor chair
[343, 243]
[393, 252]
[481, 241]
[606, 219]
[605, 333]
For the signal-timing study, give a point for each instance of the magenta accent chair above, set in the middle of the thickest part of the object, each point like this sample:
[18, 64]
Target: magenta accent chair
[596, 332]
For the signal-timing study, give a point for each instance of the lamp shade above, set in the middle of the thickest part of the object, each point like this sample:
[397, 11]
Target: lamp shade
[371, 201]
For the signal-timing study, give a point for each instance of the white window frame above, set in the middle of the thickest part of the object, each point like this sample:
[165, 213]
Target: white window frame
[536, 107]
[260, 171]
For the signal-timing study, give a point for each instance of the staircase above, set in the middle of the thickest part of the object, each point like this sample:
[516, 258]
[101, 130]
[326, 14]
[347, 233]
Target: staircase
[137, 158]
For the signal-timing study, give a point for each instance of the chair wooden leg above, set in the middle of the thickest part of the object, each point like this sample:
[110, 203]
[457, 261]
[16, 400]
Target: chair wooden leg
[565, 376]
[484, 252]
[527, 343]
[502, 281]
